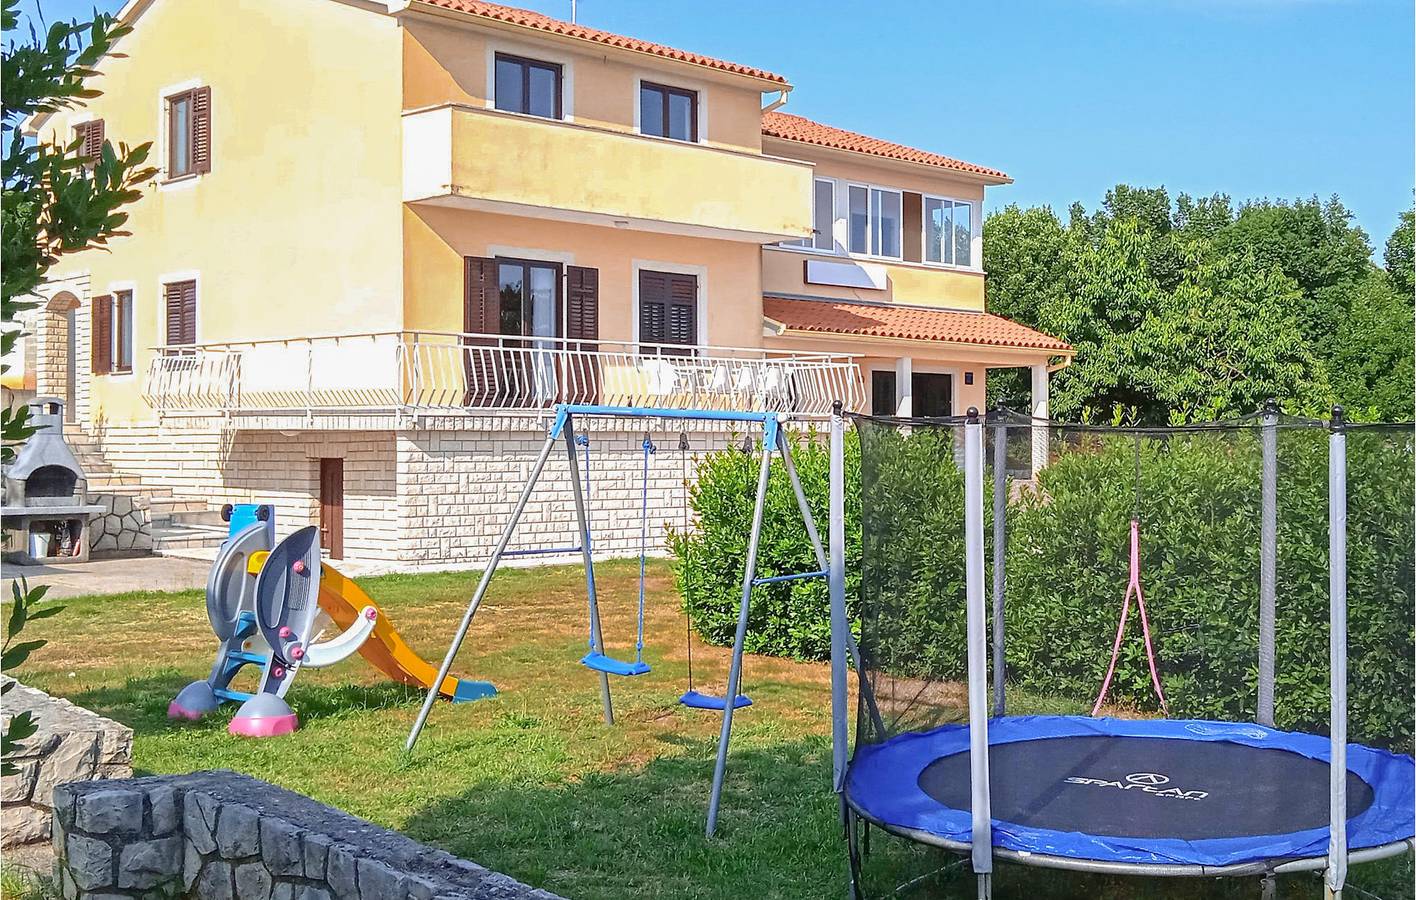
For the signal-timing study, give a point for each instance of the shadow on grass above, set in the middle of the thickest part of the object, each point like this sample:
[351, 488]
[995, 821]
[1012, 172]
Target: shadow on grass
[640, 833]
[141, 702]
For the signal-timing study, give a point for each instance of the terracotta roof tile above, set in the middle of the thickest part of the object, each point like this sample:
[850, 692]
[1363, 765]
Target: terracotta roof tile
[912, 323]
[528, 19]
[796, 128]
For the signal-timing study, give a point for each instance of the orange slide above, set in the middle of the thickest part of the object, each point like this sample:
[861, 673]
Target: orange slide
[342, 599]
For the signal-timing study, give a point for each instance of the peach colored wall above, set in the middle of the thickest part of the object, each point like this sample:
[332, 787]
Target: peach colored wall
[437, 238]
[449, 63]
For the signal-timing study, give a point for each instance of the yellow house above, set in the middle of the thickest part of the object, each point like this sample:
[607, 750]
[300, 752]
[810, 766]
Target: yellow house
[386, 237]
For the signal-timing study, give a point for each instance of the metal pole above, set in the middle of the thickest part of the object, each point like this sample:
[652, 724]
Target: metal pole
[836, 583]
[583, 521]
[1000, 554]
[477, 595]
[1336, 874]
[1268, 564]
[982, 834]
[735, 670]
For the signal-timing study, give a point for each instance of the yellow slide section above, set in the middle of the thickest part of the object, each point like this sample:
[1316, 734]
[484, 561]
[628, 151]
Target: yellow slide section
[342, 600]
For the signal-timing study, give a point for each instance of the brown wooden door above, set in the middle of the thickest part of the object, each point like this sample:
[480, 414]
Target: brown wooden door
[332, 507]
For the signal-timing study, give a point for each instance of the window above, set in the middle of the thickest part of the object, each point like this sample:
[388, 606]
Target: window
[122, 331]
[528, 292]
[668, 112]
[189, 133]
[90, 137]
[823, 218]
[883, 401]
[527, 86]
[873, 216]
[668, 308]
[948, 231]
[181, 301]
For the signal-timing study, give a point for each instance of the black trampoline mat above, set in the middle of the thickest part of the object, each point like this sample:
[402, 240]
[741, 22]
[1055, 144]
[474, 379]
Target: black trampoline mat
[1144, 787]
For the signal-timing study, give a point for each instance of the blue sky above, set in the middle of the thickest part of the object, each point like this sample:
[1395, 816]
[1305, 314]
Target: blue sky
[1254, 98]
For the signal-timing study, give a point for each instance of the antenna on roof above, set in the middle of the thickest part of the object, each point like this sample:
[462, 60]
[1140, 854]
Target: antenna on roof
[572, 11]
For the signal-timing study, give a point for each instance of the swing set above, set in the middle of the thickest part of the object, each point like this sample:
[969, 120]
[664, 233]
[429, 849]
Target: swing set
[563, 431]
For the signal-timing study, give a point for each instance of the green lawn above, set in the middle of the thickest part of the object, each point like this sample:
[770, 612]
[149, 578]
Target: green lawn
[532, 783]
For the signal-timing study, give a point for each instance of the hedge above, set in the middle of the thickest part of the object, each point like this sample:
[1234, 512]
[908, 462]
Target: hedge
[1066, 569]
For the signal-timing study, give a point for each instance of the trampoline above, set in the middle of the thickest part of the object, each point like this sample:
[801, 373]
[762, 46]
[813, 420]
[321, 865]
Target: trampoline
[1228, 523]
[1178, 797]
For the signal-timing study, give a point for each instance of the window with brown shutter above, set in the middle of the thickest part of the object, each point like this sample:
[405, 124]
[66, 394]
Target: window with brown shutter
[481, 314]
[582, 323]
[122, 324]
[101, 335]
[189, 133]
[181, 302]
[668, 308]
[90, 137]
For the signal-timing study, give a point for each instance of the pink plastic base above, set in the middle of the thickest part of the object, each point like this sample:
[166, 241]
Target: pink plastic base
[265, 726]
[177, 711]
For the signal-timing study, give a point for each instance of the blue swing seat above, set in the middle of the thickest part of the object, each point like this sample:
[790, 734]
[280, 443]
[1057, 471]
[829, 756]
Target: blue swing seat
[695, 700]
[611, 666]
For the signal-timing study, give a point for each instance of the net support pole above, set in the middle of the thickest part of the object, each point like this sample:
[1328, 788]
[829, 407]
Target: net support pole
[1268, 563]
[836, 585]
[582, 521]
[480, 592]
[981, 854]
[769, 443]
[1336, 874]
[1000, 552]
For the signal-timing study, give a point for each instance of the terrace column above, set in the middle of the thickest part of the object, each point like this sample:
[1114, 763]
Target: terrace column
[1040, 410]
[904, 386]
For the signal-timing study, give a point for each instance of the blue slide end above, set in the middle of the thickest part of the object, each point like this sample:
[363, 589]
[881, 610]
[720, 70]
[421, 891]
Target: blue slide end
[611, 666]
[695, 700]
[467, 691]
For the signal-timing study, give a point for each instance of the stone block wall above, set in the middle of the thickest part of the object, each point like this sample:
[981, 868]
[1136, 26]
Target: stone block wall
[72, 744]
[124, 527]
[224, 836]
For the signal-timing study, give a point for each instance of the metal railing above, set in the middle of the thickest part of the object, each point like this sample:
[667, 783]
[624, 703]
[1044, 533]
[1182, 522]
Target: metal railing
[451, 373]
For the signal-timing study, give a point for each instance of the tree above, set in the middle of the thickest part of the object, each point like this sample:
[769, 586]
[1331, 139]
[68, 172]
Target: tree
[1371, 362]
[55, 201]
[1398, 255]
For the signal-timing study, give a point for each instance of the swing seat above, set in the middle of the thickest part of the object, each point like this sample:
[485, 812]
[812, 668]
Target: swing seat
[611, 666]
[695, 700]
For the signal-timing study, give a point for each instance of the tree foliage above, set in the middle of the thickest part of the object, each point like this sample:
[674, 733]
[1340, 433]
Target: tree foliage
[1191, 308]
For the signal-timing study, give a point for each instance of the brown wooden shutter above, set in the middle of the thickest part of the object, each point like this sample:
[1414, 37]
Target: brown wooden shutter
[90, 137]
[201, 130]
[683, 310]
[668, 308]
[181, 297]
[101, 329]
[581, 371]
[481, 314]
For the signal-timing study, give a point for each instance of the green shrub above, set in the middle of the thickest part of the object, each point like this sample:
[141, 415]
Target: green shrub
[1067, 564]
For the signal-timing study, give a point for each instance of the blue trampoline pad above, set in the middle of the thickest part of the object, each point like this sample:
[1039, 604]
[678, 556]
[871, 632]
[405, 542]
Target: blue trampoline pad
[1151, 791]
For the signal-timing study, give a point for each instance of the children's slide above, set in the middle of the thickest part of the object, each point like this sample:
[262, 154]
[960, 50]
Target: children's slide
[342, 599]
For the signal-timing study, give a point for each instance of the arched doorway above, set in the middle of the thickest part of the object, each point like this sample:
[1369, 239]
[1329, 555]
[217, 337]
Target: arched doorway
[63, 310]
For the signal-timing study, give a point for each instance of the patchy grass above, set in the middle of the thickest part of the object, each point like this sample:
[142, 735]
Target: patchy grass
[532, 783]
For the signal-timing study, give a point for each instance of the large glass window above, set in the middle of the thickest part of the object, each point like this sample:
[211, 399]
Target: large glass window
[858, 218]
[528, 297]
[122, 331]
[528, 86]
[948, 236]
[885, 222]
[823, 218]
[668, 112]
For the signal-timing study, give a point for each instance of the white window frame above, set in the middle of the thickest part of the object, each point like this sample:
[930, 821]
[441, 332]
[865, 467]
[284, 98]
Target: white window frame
[165, 180]
[700, 106]
[537, 54]
[872, 227]
[975, 215]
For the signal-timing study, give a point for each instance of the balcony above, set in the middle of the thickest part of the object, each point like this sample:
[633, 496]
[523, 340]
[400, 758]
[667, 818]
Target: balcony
[472, 158]
[437, 379]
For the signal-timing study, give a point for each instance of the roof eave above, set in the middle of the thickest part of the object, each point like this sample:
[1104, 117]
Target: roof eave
[890, 161]
[401, 7]
[784, 330]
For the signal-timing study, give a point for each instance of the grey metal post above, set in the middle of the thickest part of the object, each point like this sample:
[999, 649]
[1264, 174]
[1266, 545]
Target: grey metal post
[583, 522]
[1336, 874]
[1000, 558]
[836, 584]
[1268, 563]
[478, 594]
[982, 834]
[735, 669]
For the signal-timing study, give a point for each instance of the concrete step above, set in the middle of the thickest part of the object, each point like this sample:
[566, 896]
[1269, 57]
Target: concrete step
[186, 536]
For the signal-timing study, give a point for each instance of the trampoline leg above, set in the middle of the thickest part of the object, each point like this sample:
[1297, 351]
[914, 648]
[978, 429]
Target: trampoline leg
[985, 886]
[1268, 887]
[853, 853]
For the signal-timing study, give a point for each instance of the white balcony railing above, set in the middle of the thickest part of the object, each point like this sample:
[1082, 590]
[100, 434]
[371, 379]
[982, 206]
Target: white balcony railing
[449, 373]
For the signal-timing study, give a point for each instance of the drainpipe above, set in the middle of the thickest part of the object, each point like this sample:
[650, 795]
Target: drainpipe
[780, 102]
